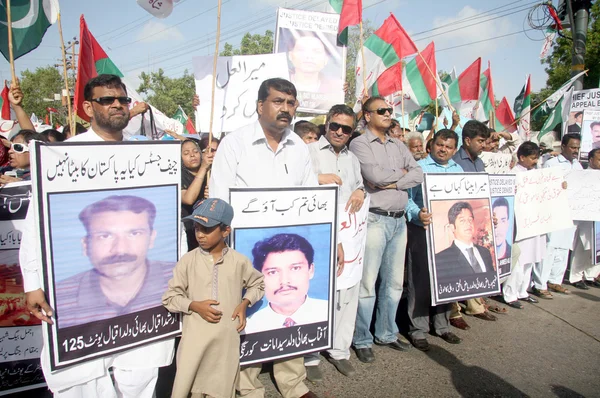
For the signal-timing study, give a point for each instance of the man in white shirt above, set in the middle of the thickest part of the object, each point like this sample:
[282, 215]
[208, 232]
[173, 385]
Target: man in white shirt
[135, 371]
[550, 275]
[267, 153]
[335, 164]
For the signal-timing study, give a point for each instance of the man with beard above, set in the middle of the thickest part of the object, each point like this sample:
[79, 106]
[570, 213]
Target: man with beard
[134, 371]
[119, 233]
[267, 153]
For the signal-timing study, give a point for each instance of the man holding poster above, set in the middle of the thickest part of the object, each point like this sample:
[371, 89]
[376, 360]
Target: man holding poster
[267, 153]
[135, 370]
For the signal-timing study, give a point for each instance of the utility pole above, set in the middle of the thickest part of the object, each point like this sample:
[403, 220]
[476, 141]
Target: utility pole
[579, 15]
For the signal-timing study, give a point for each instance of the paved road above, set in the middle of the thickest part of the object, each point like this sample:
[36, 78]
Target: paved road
[551, 349]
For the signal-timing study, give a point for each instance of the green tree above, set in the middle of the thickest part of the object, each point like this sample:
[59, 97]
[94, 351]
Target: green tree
[43, 83]
[167, 93]
[251, 45]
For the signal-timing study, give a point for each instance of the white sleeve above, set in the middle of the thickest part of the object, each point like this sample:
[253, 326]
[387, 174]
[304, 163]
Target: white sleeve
[309, 179]
[224, 169]
[28, 253]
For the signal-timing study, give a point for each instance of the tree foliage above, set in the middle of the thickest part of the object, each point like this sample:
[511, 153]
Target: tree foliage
[44, 82]
[167, 93]
[251, 45]
[354, 46]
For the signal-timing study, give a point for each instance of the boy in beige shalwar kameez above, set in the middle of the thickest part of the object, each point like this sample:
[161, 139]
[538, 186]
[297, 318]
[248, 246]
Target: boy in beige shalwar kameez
[207, 283]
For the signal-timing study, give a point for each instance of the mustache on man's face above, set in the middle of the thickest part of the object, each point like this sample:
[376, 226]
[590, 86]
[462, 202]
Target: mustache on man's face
[284, 115]
[118, 258]
[285, 288]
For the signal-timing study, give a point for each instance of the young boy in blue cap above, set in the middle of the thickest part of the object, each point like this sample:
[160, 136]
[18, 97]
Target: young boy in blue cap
[207, 283]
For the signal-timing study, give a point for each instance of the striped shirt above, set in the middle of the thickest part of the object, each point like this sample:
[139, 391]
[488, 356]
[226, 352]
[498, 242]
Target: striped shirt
[80, 299]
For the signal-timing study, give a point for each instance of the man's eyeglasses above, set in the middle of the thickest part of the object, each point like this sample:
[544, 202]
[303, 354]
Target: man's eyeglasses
[382, 111]
[104, 101]
[19, 148]
[333, 126]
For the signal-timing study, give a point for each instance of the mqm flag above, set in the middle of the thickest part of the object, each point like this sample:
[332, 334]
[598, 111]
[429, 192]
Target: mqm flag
[418, 81]
[182, 118]
[30, 20]
[551, 102]
[505, 120]
[463, 92]
[5, 103]
[350, 14]
[383, 49]
[522, 109]
[92, 62]
[487, 101]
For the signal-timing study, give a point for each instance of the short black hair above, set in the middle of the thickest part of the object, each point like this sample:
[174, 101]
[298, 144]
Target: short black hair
[570, 136]
[500, 202]
[204, 141]
[446, 134]
[304, 127]
[474, 128]
[131, 203]
[57, 135]
[455, 210]
[78, 129]
[594, 124]
[282, 85]
[30, 135]
[528, 148]
[577, 114]
[341, 109]
[281, 243]
[105, 80]
[593, 153]
[369, 101]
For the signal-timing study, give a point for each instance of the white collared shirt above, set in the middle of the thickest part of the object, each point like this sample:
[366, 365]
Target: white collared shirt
[562, 162]
[311, 311]
[463, 248]
[245, 159]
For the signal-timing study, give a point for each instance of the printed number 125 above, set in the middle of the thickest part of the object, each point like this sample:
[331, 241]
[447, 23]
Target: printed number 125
[76, 344]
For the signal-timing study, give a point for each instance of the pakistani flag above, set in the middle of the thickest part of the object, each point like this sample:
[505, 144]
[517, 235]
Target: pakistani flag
[30, 20]
[553, 100]
[522, 108]
[558, 114]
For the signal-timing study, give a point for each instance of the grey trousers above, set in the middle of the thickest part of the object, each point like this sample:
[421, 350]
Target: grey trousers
[420, 311]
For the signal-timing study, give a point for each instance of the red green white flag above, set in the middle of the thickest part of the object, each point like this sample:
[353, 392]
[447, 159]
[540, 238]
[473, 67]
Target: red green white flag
[505, 120]
[182, 118]
[463, 92]
[5, 103]
[92, 62]
[383, 49]
[487, 101]
[350, 14]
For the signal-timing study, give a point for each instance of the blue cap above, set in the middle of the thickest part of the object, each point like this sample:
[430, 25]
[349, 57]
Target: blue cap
[211, 212]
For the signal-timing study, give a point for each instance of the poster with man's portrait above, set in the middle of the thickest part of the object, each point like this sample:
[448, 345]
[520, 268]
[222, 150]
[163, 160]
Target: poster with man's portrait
[461, 241]
[590, 132]
[289, 234]
[316, 62]
[503, 208]
[20, 332]
[109, 230]
[584, 119]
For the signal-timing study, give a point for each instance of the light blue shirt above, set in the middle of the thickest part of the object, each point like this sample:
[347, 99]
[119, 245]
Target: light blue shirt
[415, 195]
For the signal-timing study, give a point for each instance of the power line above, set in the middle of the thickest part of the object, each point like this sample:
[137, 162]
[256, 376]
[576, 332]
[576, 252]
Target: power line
[484, 40]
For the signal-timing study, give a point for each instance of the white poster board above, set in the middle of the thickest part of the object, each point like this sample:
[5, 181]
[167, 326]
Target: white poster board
[496, 163]
[583, 187]
[584, 111]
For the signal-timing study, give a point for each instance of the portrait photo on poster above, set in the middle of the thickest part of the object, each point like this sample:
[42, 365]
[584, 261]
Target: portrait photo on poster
[503, 209]
[112, 251]
[464, 253]
[590, 131]
[296, 262]
[316, 67]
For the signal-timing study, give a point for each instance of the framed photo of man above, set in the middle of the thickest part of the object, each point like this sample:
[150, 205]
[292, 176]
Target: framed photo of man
[290, 236]
[109, 228]
[316, 62]
[503, 208]
[461, 239]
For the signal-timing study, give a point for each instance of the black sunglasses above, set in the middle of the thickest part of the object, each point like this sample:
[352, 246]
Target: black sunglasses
[333, 126]
[382, 111]
[110, 100]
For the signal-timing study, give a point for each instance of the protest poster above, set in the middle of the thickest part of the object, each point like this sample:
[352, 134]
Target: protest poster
[316, 64]
[583, 188]
[496, 162]
[460, 240]
[109, 233]
[236, 88]
[502, 187]
[290, 236]
[352, 234]
[584, 113]
[596, 243]
[541, 203]
[20, 332]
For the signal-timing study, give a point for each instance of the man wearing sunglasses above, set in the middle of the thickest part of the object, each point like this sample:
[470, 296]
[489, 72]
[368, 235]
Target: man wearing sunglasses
[388, 169]
[135, 371]
[335, 164]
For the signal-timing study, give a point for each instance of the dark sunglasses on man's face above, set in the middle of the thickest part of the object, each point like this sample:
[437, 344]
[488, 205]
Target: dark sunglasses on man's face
[333, 126]
[104, 101]
[382, 111]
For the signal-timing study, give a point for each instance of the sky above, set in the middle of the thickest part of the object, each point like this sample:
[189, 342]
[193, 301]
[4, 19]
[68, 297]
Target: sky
[137, 41]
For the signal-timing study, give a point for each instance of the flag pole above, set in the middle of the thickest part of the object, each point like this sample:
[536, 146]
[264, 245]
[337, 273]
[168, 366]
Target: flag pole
[402, 111]
[214, 76]
[437, 82]
[11, 57]
[64, 59]
[436, 112]
[364, 66]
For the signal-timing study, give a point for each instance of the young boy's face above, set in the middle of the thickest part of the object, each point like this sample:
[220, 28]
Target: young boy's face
[209, 237]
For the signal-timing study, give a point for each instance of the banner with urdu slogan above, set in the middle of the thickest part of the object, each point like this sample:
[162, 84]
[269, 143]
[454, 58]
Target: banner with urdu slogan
[20, 332]
[109, 234]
